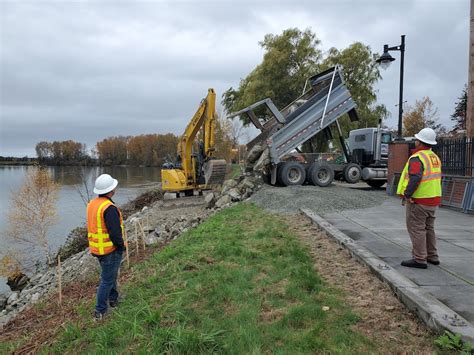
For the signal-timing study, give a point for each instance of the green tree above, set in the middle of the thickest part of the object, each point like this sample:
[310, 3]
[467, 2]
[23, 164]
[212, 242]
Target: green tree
[292, 57]
[460, 112]
[360, 75]
[289, 59]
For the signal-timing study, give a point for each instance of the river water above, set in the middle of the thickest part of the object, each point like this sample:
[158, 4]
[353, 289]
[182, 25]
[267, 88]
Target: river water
[70, 206]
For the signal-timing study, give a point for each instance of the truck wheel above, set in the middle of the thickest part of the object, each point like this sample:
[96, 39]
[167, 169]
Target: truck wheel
[376, 183]
[321, 174]
[352, 173]
[292, 173]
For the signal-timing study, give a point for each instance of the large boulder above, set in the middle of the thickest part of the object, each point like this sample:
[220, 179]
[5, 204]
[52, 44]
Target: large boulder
[254, 153]
[235, 194]
[13, 297]
[3, 301]
[17, 281]
[210, 200]
[223, 201]
[262, 161]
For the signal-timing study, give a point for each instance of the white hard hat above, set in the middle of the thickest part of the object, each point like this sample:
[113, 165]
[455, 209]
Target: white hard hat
[104, 184]
[426, 135]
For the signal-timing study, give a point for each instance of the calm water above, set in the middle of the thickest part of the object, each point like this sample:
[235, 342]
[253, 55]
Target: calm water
[70, 206]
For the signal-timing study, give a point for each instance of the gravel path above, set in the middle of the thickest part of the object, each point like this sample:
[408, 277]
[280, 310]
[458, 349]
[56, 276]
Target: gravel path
[321, 200]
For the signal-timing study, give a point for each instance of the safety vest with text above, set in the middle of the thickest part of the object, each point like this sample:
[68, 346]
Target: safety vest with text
[430, 184]
[97, 234]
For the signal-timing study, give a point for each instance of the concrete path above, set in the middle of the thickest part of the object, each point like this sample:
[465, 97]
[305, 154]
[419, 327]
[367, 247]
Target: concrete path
[382, 230]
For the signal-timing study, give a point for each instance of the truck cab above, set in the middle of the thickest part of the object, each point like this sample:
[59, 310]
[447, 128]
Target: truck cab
[365, 148]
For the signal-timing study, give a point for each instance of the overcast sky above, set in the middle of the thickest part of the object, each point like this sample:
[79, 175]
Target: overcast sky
[86, 70]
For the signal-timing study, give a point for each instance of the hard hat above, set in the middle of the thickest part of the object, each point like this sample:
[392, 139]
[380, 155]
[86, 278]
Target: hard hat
[426, 135]
[104, 184]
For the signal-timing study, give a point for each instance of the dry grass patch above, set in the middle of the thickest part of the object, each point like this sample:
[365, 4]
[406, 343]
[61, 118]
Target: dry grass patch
[383, 317]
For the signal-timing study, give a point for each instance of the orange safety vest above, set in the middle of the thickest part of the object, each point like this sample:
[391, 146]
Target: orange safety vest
[97, 234]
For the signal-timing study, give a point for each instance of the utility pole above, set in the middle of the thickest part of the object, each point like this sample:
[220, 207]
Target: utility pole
[470, 84]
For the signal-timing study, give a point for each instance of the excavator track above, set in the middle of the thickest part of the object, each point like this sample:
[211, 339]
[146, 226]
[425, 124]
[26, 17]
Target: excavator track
[215, 171]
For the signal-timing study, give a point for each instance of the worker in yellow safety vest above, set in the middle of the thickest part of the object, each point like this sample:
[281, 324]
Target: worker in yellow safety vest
[420, 190]
[105, 235]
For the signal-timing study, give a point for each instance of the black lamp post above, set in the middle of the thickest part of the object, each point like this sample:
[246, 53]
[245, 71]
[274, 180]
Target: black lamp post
[384, 61]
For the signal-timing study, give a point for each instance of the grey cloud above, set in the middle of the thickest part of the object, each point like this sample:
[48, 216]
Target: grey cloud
[87, 70]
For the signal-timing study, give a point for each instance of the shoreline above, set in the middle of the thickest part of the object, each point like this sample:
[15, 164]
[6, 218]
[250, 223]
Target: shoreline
[131, 207]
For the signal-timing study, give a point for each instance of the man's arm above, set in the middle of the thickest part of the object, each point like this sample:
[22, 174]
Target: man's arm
[112, 221]
[415, 173]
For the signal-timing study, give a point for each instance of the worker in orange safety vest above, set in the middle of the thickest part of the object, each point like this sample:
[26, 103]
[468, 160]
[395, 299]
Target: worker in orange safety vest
[105, 235]
[420, 190]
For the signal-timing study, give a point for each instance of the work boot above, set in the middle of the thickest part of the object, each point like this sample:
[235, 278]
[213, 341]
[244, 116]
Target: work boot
[113, 303]
[414, 263]
[434, 262]
[98, 316]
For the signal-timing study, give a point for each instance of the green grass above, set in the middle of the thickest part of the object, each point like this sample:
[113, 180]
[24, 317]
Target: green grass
[238, 283]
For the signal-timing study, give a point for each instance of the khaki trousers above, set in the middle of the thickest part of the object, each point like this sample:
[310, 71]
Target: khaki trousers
[420, 226]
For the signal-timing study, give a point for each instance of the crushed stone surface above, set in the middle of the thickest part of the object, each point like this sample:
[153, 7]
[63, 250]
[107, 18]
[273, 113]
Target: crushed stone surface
[321, 200]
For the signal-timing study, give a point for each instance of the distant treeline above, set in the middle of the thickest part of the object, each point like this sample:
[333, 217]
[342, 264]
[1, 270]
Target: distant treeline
[17, 160]
[146, 149]
[63, 153]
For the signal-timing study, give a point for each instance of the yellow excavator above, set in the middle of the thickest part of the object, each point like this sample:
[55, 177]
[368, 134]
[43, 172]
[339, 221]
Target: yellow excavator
[195, 169]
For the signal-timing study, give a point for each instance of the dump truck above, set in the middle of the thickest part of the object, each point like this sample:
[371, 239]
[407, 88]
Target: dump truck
[195, 168]
[325, 99]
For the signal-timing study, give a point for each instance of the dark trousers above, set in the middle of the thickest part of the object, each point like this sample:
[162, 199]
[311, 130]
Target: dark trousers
[107, 290]
[420, 226]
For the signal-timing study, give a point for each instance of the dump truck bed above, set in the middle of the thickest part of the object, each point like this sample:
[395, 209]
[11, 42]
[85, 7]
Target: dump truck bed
[329, 100]
[326, 100]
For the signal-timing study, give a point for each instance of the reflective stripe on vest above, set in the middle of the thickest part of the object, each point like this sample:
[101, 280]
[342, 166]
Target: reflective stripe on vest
[430, 184]
[98, 236]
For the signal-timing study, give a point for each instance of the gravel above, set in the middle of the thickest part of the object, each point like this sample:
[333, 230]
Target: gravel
[322, 200]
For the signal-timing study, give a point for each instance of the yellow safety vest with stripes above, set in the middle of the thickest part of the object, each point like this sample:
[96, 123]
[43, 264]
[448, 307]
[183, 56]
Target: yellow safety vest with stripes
[430, 184]
[97, 234]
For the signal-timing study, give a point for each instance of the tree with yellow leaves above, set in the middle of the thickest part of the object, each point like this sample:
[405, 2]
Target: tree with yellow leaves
[33, 210]
[421, 115]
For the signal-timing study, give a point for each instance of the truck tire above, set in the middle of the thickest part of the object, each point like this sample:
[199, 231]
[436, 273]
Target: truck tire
[321, 174]
[376, 183]
[352, 173]
[292, 173]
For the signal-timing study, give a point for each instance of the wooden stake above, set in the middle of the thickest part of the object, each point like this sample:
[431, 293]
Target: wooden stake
[143, 234]
[136, 239]
[126, 247]
[60, 281]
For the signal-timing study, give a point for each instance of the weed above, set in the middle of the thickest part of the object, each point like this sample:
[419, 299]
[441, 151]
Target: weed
[450, 341]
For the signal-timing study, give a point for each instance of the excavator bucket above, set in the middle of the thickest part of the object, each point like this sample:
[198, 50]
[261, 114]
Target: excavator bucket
[214, 172]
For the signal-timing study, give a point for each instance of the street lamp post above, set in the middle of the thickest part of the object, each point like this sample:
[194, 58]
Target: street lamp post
[384, 61]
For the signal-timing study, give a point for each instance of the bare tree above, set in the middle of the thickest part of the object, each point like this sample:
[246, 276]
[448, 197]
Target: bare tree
[33, 210]
[83, 188]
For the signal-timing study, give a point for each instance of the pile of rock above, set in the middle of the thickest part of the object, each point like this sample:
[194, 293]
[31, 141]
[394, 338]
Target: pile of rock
[233, 190]
[43, 283]
[258, 158]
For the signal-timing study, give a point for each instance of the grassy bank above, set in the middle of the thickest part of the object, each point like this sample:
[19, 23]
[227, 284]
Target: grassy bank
[239, 283]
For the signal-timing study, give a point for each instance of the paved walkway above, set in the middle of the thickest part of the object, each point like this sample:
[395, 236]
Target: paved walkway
[382, 230]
